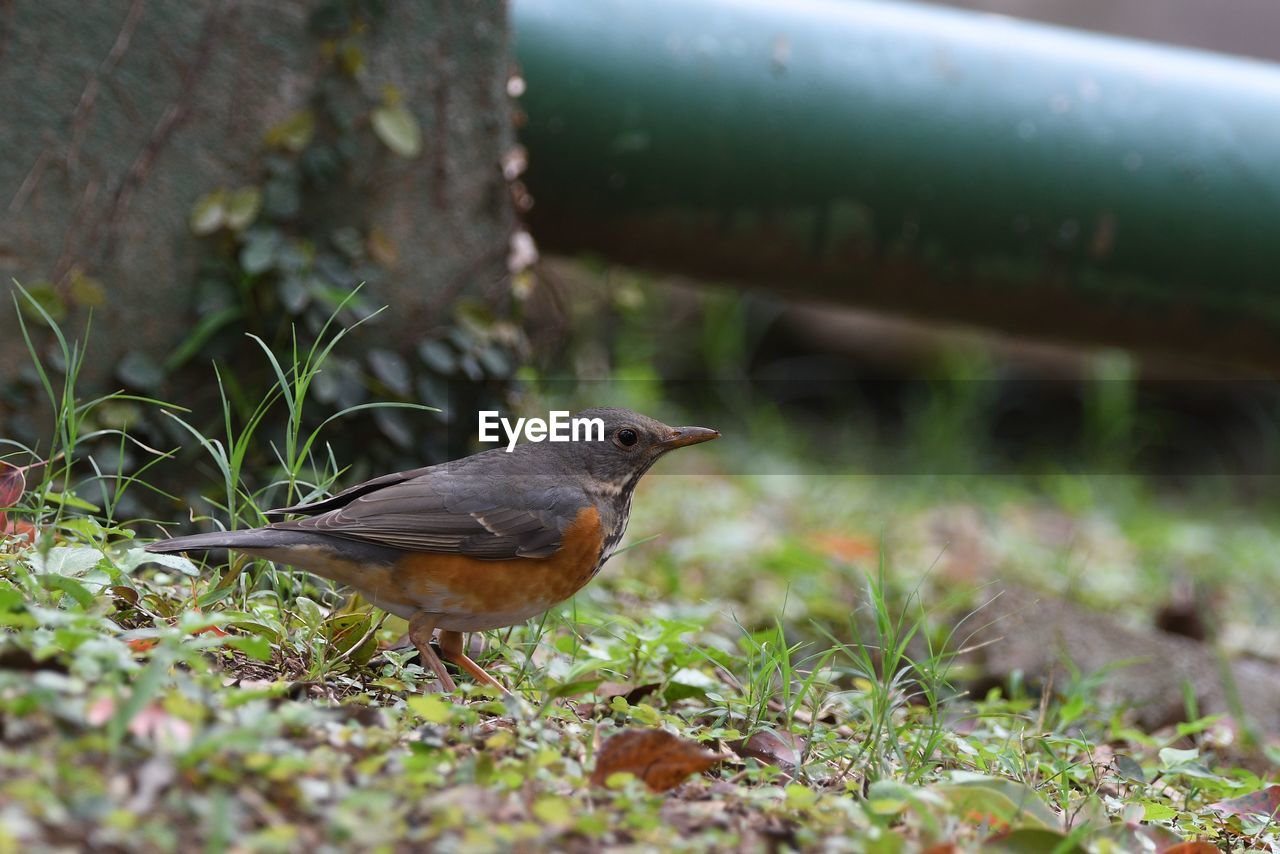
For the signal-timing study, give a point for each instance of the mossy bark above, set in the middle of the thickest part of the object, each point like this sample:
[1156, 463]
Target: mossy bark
[120, 114]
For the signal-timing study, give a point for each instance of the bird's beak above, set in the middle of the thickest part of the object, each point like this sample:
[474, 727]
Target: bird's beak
[681, 436]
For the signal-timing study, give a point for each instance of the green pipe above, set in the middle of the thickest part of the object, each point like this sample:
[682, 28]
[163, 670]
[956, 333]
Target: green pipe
[917, 159]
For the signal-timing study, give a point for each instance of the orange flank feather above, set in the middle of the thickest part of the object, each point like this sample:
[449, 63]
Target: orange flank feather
[464, 585]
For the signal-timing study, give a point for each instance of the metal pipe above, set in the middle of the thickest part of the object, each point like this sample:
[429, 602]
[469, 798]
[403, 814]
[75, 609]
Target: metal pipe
[918, 159]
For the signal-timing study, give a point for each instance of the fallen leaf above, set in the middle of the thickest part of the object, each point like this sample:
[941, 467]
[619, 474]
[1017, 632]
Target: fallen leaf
[18, 528]
[13, 482]
[1193, 848]
[1264, 803]
[1132, 836]
[847, 547]
[657, 757]
[769, 747]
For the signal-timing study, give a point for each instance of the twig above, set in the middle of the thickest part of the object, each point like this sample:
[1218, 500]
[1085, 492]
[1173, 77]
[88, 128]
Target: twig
[84, 107]
[162, 132]
[33, 177]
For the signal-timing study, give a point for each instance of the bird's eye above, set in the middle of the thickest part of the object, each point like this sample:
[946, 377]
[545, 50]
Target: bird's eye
[627, 437]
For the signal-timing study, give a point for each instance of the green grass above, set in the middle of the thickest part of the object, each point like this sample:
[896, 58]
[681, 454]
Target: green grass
[801, 625]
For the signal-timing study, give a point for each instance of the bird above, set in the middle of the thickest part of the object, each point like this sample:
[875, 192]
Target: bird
[482, 542]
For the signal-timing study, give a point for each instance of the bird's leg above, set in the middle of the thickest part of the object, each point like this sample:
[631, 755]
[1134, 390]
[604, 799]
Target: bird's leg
[421, 626]
[451, 647]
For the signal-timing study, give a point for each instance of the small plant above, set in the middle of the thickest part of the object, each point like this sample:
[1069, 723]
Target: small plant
[900, 686]
[76, 426]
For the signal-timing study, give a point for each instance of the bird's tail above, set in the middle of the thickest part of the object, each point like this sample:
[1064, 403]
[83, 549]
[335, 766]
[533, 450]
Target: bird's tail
[252, 539]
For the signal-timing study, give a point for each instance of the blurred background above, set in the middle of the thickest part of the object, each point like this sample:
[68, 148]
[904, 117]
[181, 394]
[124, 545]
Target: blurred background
[988, 298]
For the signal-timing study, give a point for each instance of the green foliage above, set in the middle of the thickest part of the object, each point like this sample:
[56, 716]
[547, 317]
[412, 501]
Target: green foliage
[138, 699]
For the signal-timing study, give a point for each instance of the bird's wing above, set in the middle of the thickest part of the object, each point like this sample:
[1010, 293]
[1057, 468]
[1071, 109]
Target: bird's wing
[346, 496]
[453, 510]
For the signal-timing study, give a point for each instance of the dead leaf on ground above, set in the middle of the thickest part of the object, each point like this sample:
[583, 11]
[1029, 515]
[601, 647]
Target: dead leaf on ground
[13, 482]
[769, 747]
[1133, 836]
[1193, 848]
[657, 757]
[1265, 803]
[849, 548]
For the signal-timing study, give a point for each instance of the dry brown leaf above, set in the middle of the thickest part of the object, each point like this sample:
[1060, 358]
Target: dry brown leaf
[1264, 803]
[657, 757]
[849, 548]
[13, 482]
[1149, 835]
[772, 748]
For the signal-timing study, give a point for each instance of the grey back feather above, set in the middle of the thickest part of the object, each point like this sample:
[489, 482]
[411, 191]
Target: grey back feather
[468, 507]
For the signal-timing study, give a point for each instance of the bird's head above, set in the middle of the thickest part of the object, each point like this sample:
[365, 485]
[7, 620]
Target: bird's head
[617, 446]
